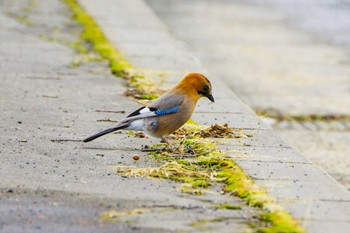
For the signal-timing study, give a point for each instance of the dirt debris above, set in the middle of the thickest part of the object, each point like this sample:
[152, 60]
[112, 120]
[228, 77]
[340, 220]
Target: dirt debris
[214, 131]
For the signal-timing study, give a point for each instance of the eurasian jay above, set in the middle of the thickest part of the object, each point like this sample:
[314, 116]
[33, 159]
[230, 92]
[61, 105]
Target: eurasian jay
[167, 113]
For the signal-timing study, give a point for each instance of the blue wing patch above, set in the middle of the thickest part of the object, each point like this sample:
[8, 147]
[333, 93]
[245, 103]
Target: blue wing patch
[161, 112]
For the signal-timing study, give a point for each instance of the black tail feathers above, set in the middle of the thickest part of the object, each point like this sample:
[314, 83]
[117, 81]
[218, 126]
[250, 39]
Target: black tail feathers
[107, 131]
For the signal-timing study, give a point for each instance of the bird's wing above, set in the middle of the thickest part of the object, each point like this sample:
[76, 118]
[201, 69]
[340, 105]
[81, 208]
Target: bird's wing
[164, 105]
[166, 101]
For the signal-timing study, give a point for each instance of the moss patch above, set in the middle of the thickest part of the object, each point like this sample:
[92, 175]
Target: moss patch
[279, 221]
[195, 181]
[93, 34]
[141, 94]
[227, 206]
[138, 79]
[206, 166]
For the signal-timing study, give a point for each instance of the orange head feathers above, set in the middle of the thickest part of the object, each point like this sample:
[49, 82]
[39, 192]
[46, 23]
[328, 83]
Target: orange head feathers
[196, 85]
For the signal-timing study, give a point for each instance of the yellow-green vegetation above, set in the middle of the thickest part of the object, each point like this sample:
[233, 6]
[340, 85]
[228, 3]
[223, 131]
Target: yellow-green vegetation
[279, 221]
[76, 45]
[194, 181]
[208, 165]
[227, 206]
[93, 34]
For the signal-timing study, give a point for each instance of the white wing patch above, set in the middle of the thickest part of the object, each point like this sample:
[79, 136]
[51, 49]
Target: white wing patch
[143, 113]
[145, 110]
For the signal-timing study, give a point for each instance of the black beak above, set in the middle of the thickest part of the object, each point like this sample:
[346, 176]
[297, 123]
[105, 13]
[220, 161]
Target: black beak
[210, 97]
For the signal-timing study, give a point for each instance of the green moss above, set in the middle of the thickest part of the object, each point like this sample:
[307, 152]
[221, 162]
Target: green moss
[93, 34]
[227, 206]
[239, 184]
[189, 189]
[208, 166]
[192, 122]
[148, 96]
[119, 66]
[279, 222]
[76, 45]
[174, 171]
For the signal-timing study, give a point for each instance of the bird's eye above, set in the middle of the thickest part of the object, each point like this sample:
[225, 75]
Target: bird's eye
[206, 87]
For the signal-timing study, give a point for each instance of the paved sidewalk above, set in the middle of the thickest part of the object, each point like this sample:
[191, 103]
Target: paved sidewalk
[311, 195]
[51, 181]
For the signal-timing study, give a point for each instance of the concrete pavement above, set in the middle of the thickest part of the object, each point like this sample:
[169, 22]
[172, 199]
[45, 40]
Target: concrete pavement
[276, 68]
[50, 180]
[54, 106]
[298, 181]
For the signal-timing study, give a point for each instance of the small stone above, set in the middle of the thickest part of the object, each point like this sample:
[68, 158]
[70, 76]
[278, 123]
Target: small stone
[140, 135]
[136, 157]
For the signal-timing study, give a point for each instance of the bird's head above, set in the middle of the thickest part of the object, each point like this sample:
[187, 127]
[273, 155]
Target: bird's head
[197, 85]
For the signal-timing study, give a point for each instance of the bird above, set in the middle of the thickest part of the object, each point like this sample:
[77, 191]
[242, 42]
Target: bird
[169, 112]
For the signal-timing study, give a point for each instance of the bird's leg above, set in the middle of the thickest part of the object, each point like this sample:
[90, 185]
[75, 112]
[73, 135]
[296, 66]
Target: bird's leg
[168, 147]
[173, 149]
[164, 139]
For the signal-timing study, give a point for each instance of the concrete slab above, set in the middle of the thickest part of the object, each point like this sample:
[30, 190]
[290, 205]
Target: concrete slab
[274, 160]
[170, 55]
[321, 210]
[267, 154]
[325, 226]
[304, 189]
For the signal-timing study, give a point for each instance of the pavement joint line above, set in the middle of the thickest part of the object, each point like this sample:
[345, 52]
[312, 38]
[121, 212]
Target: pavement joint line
[253, 146]
[271, 161]
[281, 179]
[329, 200]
